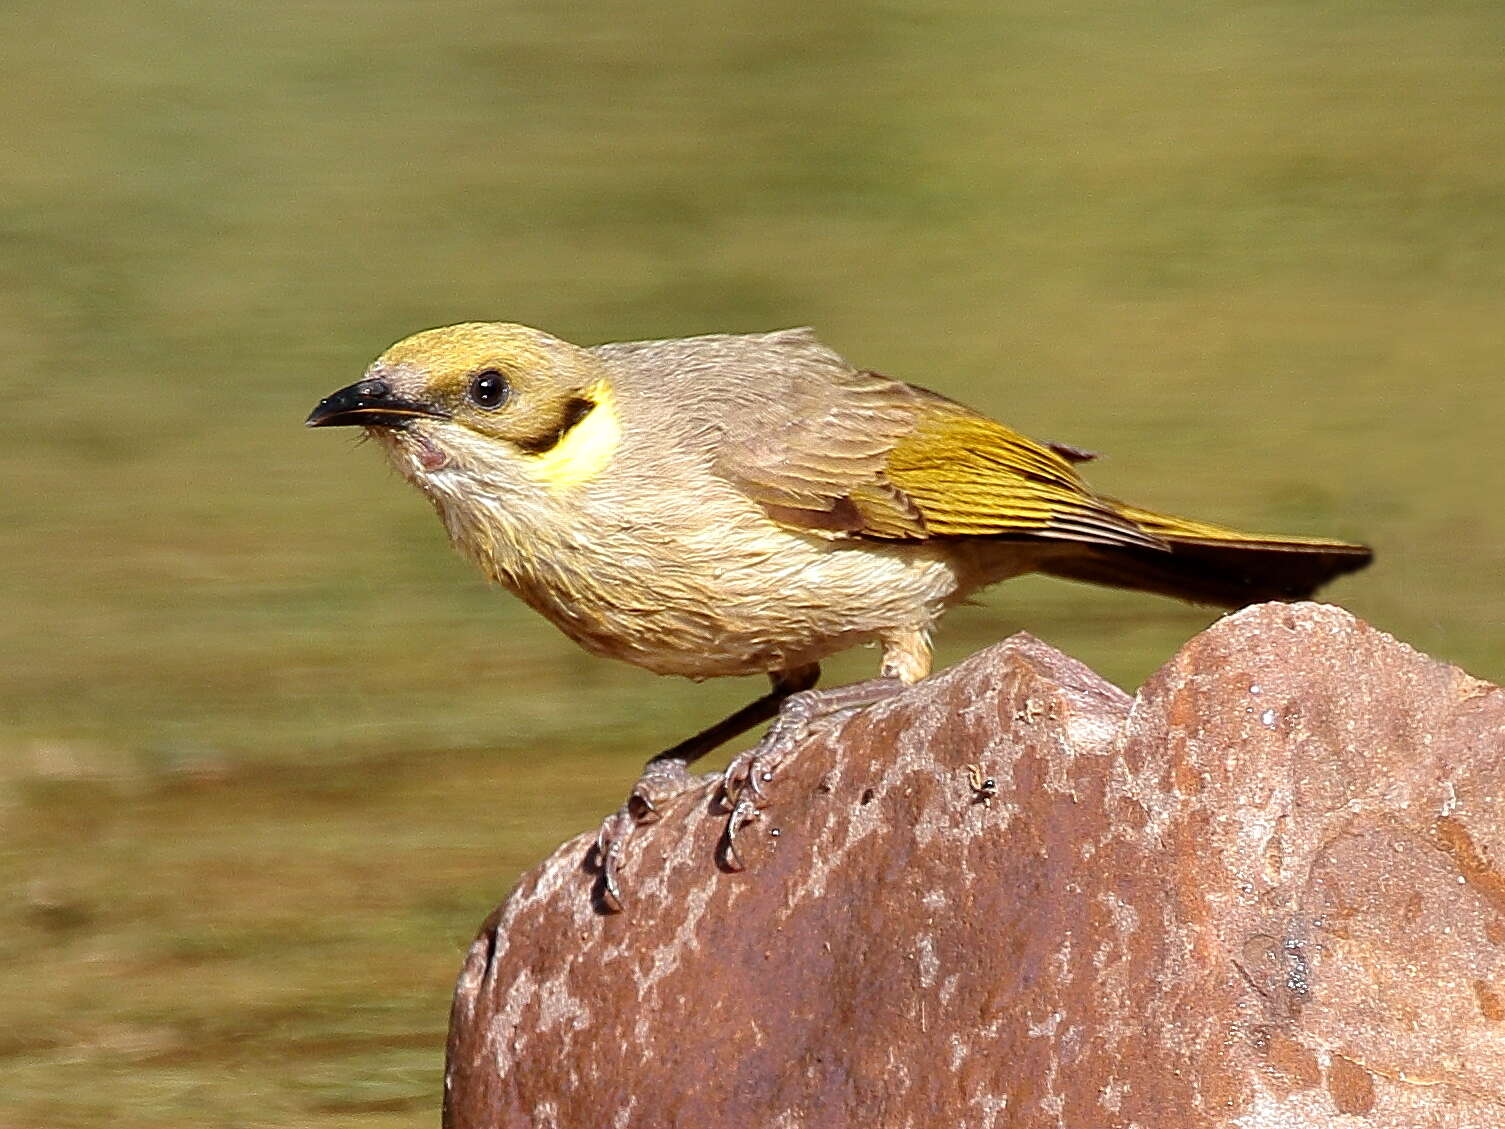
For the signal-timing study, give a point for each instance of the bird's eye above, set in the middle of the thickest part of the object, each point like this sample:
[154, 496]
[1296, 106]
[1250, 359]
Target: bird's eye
[489, 389]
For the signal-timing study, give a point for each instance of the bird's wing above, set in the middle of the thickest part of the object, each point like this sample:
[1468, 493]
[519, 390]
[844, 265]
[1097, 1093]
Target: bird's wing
[870, 457]
[814, 456]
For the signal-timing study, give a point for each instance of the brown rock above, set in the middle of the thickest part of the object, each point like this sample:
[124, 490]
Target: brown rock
[1265, 893]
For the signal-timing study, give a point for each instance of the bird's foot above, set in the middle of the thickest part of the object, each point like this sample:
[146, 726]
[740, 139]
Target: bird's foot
[661, 781]
[743, 783]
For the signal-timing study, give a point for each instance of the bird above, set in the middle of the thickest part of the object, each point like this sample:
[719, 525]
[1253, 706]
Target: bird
[751, 504]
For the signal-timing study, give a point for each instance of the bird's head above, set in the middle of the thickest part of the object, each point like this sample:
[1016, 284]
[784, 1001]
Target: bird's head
[504, 404]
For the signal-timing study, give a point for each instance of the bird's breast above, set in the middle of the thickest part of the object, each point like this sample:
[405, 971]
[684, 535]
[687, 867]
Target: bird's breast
[702, 587]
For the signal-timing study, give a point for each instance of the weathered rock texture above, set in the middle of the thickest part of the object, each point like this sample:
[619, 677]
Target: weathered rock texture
[1265, 893]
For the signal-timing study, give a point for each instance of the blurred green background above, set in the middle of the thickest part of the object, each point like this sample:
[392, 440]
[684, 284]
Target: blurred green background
[269, 750]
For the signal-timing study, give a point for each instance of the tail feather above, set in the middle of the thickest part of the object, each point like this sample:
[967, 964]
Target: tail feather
[1211, 564]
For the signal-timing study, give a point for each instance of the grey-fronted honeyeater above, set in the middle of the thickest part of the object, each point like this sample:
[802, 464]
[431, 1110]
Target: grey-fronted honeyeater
[750, 504]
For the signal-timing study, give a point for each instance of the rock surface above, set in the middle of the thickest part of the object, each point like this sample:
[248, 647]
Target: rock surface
[1267, 892]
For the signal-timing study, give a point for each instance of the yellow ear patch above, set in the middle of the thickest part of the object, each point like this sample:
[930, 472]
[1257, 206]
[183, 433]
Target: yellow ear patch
[585, 449]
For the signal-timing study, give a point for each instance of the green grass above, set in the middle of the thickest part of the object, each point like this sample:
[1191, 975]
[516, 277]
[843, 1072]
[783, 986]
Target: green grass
[269, 751]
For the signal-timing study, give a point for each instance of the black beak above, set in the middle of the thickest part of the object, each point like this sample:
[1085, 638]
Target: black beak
[369, 403]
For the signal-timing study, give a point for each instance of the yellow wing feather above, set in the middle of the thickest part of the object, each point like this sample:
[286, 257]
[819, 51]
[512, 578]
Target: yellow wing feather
[969, 476]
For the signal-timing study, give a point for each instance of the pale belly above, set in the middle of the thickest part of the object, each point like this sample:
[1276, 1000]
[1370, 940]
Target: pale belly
[708, 594]
[737, 608]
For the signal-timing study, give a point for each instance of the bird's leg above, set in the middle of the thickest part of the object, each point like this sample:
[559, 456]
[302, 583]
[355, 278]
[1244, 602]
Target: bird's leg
[742, 783]
[906, 660]
[668, 774]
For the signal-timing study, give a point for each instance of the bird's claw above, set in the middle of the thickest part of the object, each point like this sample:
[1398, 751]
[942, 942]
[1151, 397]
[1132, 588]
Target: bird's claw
[742, 784]
[660, 781]
[642, 808]
[743, 812]
[742, 777]
[611, 840]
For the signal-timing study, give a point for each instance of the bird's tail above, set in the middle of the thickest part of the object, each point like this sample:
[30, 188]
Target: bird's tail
[1211, 564]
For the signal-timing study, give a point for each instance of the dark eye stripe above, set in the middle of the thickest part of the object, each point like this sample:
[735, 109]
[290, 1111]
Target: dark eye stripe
[574, 411]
